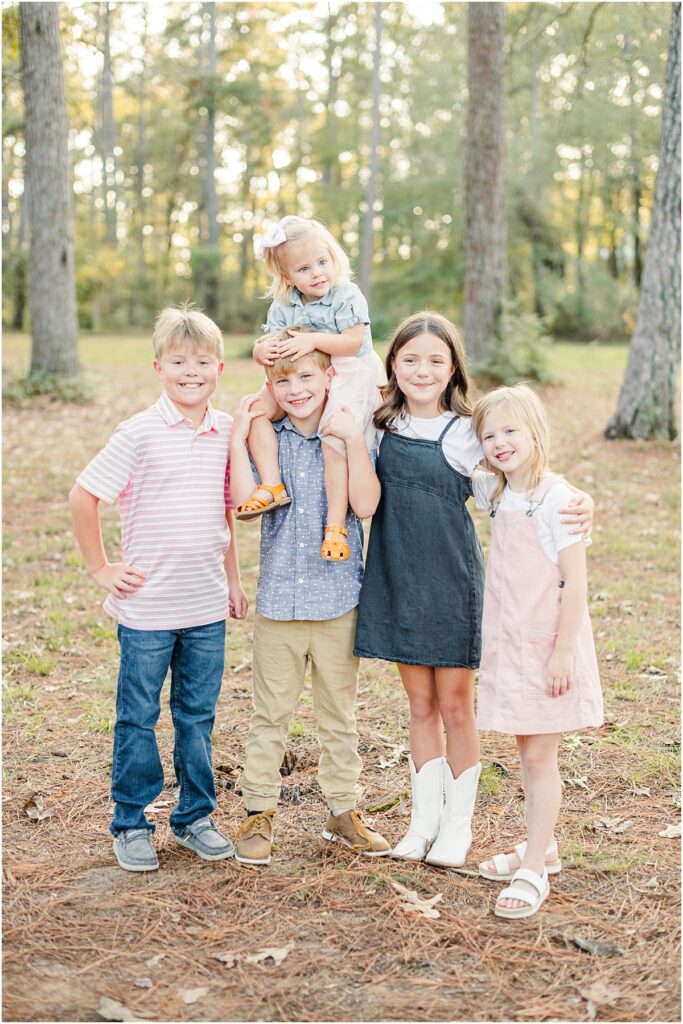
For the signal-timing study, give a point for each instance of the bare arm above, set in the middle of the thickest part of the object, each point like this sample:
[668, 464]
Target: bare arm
[364, 487]
[238, 604]
[348, 343]
[118, 578]
[242, 479]
[572, 610]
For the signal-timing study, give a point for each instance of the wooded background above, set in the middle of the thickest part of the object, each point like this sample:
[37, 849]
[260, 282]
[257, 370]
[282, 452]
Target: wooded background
[194, 124]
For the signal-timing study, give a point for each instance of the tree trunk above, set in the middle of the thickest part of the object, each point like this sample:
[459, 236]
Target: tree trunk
[367, 233]
[646, 406]
[52, 295]
[485, 221]
[108, 131]
[211, 264]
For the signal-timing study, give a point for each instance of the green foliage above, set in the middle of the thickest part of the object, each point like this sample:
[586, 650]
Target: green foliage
[20, 391]
[520, 352]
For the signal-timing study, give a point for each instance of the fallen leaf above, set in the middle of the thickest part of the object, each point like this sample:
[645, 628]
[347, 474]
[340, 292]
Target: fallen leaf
[580, 780]
[241, 667]
[412, 903]
[229, 959]
[641, 791]
[601, 992]
[192, 995]
[396, 755]
[153, 808]
[154, 961]
[652, 884]
[272, 953]
[110, 1009]
[142, 982]
[35, 808]
[597, 946]
[671, 832]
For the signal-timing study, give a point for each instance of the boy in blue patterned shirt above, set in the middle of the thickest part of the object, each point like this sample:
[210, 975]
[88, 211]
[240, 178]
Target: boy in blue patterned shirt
[305, 609]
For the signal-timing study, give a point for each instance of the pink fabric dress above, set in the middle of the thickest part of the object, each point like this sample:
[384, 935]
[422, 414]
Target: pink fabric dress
[356, 384]
[521, 620]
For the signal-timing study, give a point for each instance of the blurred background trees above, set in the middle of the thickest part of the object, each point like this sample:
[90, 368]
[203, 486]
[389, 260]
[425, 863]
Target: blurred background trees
[192, 125]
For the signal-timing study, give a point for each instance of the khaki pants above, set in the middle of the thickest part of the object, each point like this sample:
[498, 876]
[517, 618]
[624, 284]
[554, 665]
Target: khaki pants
[282, 651]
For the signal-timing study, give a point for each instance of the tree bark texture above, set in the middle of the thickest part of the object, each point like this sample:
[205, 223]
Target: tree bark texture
[52, 297]
[108, 131]
[367, 231]
[646, 406]
[485, 220]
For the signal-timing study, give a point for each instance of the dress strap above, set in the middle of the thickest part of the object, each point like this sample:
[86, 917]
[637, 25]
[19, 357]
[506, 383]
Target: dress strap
[541, 493]
[447, 428]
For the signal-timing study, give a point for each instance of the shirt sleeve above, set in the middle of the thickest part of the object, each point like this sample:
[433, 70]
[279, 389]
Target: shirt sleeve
[275, 319]
[559, 497]
[110, 472]
[351, 308]
[483, 485]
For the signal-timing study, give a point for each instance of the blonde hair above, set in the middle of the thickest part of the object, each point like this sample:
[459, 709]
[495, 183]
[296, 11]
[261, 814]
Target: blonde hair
[456, 396]
[526, 411]
[186, 325]
[297, 229]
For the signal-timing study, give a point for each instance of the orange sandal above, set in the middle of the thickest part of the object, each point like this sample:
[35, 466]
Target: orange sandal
[255, 507]
[335, 549]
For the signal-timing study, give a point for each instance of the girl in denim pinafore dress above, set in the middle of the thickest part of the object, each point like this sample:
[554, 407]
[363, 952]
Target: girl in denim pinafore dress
[539, 674]
[421, 600]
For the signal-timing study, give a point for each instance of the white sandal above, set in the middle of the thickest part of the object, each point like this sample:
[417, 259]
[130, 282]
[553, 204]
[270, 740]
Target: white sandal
[502, 871]
[540, 884]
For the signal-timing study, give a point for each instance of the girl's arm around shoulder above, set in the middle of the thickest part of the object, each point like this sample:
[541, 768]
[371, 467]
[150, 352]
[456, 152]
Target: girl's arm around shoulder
[483, 484]
[364, 486]
[578, 511]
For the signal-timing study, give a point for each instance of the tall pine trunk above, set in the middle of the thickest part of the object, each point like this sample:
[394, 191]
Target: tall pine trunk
[367, 230]
[485, 221]
[52, 293]
[646, 406]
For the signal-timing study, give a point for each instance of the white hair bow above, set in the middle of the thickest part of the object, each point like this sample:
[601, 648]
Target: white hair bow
[273, 236]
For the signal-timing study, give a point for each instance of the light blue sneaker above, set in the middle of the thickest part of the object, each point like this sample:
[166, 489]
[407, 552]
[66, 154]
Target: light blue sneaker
[205, 840]
[134, 850]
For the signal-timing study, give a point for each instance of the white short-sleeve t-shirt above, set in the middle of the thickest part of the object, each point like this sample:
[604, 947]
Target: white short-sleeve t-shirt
[553, 534]
[461, 448]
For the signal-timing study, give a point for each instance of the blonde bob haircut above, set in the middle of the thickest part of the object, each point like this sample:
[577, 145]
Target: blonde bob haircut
[525, 411]
[456, 396]
[298, 229]
[186, 327]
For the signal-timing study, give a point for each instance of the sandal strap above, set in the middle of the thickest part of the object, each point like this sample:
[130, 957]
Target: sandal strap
[500, 863]
[539, 882]
[513, 893]
[339, 530]
[276, 489]
[255, 504]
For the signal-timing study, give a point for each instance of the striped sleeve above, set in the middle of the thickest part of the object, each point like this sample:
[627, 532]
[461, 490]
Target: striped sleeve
[112, 469]
[229, 504]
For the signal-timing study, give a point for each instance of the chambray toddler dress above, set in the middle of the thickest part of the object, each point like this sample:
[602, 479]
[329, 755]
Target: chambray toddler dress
[521, 619]
[421, 599]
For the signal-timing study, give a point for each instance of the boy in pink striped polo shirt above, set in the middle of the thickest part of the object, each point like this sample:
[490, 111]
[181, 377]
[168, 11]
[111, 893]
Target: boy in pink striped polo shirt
[179, 579]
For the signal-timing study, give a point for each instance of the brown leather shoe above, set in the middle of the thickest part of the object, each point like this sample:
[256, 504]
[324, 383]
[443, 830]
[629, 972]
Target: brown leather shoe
[255, 839]
[351, 829]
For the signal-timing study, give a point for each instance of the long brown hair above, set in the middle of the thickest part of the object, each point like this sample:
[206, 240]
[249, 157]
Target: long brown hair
[456, 396]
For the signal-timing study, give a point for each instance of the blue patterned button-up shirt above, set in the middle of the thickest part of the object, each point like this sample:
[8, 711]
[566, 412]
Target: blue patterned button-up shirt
[344, 306]
[294, 581]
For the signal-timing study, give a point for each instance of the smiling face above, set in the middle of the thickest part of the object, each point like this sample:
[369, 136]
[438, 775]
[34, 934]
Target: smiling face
[302, 394]
[508, 448]
[309, 267]
[423, 368]
[190, 378]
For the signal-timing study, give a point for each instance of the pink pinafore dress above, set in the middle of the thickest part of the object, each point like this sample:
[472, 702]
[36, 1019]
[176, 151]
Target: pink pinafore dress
[521, 619]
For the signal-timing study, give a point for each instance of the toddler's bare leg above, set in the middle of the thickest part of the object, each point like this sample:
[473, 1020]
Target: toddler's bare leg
[263, 446]
[336, 484]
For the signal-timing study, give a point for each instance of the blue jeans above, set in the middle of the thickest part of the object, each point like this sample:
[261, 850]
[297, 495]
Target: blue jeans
[196, 657]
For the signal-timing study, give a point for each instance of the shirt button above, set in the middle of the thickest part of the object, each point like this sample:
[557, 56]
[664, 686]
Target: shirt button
[300, 581]
[302, 545]
[302, 474]
[301, 510]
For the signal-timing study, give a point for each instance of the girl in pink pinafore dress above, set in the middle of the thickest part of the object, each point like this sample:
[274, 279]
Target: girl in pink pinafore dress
[539, 674]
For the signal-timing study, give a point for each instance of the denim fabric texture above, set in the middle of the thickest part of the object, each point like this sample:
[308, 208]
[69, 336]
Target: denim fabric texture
[196, 658]
[344, 306]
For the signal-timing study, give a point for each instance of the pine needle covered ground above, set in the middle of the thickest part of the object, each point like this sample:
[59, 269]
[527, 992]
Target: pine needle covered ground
[186, 943]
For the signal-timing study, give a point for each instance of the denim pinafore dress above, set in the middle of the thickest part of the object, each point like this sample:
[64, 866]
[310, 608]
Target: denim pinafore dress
[422, 594]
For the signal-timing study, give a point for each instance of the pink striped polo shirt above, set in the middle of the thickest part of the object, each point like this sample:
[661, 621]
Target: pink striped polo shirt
[172, 481]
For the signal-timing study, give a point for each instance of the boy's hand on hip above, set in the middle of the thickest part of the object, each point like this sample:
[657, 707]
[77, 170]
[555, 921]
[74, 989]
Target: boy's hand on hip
[560, 672]
[238, 605]
[120, 579]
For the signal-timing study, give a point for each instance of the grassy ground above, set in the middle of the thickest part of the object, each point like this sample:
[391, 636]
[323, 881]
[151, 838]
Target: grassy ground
[77, 929]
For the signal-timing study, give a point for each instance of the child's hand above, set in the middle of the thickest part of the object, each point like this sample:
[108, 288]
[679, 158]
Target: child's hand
[580, 514]
[238, 605]
[298, 345]
[266, 349]
[248, 409]
[120, 579]
[560, 672]
[343, 425]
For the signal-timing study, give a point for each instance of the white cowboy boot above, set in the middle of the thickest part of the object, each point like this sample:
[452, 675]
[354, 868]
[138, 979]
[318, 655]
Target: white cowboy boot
[427, 787]
[455, 832]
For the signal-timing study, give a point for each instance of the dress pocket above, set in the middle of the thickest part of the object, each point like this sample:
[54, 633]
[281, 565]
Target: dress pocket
[537, 647]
